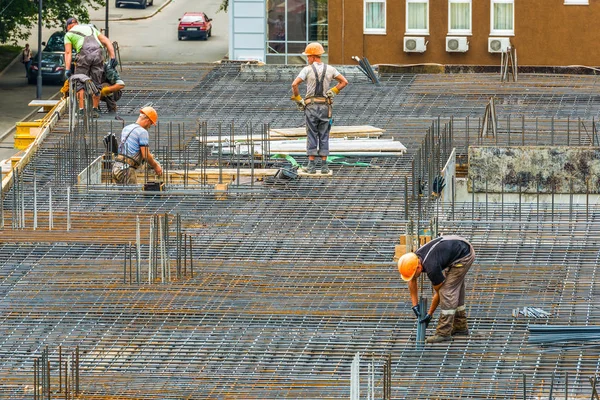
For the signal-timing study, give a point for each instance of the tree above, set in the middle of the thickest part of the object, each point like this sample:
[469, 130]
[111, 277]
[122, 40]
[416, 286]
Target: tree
[18, 17]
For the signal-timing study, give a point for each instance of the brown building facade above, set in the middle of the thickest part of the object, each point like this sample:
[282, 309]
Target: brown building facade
[465, 32]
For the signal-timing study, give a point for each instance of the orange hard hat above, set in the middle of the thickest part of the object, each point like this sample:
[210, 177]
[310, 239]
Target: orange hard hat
[407, 266]
[313, 49]
[150, 113]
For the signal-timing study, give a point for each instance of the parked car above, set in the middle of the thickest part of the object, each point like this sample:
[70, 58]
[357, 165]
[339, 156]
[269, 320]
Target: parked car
[142, 3]
[56, 42]
[194, 25]
[53, 68]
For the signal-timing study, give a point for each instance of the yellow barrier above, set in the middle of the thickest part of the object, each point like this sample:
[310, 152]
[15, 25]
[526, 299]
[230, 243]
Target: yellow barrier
[27, 131]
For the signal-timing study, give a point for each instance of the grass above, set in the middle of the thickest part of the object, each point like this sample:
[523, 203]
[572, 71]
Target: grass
[7, 54]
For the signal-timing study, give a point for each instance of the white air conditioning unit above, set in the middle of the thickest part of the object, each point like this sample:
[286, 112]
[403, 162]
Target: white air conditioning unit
[457, 44]
[414, 44]
[498, 44]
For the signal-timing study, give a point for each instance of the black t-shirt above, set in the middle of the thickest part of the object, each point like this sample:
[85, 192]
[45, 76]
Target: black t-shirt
[441, 256]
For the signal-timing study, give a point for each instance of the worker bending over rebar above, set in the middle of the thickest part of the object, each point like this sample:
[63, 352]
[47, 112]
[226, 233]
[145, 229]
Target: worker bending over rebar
[446, 260]
[317, 105]
[134, 149]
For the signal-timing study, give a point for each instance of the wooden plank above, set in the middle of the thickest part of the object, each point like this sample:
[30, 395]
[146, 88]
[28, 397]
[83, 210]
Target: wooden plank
[360, 130]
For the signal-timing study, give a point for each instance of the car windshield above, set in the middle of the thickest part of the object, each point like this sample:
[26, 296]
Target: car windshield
[56, 42]
[52, 58]
[192, 18]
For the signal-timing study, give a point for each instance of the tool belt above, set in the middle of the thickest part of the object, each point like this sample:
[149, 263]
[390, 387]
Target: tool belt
[317, 100]
[127, 160]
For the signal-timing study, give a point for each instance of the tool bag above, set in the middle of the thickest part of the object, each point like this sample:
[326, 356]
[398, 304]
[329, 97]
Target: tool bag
[111, 144]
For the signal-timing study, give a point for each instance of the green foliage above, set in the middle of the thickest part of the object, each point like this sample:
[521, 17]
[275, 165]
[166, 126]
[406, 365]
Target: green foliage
[7, 54]
[19, 17]
[224, 5]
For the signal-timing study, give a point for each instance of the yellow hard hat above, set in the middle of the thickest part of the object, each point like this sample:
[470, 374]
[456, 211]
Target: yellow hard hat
[407, 266]
[313, 49]
[150, 113]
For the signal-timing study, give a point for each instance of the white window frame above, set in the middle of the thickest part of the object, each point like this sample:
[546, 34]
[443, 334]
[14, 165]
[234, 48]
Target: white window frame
[501, 32]
[417, 31]
[460, 31]
[374, 31]
[577, 2]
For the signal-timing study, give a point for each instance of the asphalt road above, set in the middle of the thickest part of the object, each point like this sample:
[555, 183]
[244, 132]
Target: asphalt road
[143, 35]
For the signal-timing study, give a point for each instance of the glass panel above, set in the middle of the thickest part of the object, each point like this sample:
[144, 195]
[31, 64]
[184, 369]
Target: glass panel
[275, 47]
[417, 16]
[296, 48]
[275, 22]
[460, 16]
[503, 16]
[297, 60]
[375, 16]
[296, 20]
[317, 13]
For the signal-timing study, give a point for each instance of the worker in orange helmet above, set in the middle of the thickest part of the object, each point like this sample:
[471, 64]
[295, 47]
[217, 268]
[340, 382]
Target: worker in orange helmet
[134, 149]
[446, 260]
[317, 105]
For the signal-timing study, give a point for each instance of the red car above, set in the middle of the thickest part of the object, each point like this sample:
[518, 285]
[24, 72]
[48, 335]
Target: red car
[194, 25]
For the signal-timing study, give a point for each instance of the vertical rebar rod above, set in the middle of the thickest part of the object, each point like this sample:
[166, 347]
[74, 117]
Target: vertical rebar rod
[191, 259]
[50, 217]
[68, 208]
[138, 248]
[35, 214]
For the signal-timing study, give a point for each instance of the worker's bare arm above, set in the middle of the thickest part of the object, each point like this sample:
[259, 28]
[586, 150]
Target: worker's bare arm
[146, 155]
[68, 55]
[295, 84]
[108, 44]
[436, 298]
[342, 82]
[414, 291]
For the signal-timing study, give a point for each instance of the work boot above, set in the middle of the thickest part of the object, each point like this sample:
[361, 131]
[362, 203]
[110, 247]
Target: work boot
[444, 326]
[325, 168]
[311, 168]
[95, 113]
[459, 327]
[438, 339]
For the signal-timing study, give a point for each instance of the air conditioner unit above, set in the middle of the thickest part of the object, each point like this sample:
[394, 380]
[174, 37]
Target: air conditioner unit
[414, 44]
[457, 44]
[498, 44]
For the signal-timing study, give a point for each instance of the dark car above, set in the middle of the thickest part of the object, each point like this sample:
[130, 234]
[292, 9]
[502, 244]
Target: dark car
[194, 25]
[142, 3]
[56, 42]
[53, 68]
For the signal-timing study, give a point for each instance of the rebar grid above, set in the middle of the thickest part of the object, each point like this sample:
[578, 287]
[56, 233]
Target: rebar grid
[292, 279]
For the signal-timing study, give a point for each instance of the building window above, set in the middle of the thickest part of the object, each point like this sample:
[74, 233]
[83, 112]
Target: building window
[503, 17]
[374, 16]
[417, 17]
[459, 17]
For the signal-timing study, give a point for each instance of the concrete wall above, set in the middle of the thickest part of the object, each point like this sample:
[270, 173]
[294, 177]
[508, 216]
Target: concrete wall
[547, 33]
[529, 169]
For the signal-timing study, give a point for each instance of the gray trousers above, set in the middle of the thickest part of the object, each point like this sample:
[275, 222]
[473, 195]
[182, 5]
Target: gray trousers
[452, 297]
[317, 129]
[125, 176]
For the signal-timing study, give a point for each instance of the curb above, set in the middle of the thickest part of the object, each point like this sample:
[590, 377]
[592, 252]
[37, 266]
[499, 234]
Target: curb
[137, 18]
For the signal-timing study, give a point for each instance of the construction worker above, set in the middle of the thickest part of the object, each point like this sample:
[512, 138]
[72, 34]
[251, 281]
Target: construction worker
[134, 149]
[87, 42]
[112, 86]
[317, 104]
[446, 260]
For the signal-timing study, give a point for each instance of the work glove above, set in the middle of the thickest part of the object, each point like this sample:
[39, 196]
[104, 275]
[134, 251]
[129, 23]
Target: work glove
[331, 93]
[417, 312]
[68, 73]
[105, 91]
[299, 102]
[113, 63]
[438, 185]
[426, 320]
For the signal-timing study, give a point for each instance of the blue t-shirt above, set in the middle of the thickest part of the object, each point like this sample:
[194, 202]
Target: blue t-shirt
[132, 138]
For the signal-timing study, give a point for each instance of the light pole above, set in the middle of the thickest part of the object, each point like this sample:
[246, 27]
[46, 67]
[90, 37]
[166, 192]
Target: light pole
[39, 71]
[106, 25]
